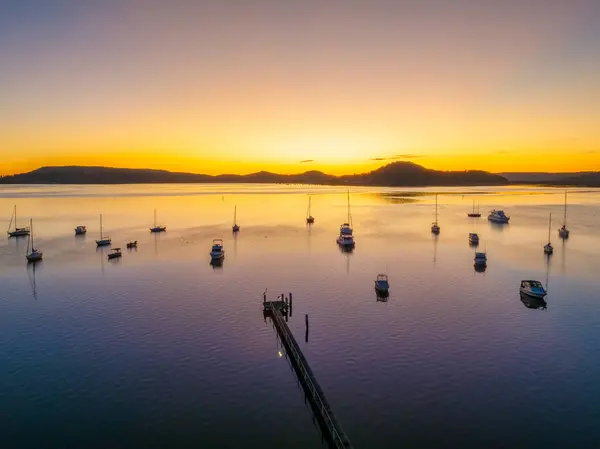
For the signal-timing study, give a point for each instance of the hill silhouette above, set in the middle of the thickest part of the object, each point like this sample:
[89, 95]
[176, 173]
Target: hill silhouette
[395, 174]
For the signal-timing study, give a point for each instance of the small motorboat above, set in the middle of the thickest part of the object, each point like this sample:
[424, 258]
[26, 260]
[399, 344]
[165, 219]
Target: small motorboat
[80, 230]
[115, 253]
[480, 259]
[32, 255]
[157, 228]
[473, 238]
[498, 216]
[382, 285]
[534, 289]
[132, 244]
[217, 252]
[16, 231]
[104, 240]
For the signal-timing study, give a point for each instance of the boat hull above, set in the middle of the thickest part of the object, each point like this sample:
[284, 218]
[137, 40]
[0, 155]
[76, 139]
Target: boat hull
[103, 242]
[474, 215]
[310, 220]
[346, 243]
[19, 233]
[562, 233]
[235, 228]
[114, 256]
[158, 229]
[531, 294]
[498, 220]
[217, 256]
[34, 257]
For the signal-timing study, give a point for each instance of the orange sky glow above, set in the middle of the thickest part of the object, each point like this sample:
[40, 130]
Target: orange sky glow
[343, 87]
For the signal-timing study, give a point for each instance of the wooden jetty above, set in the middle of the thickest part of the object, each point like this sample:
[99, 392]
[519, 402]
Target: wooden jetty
[330, 426]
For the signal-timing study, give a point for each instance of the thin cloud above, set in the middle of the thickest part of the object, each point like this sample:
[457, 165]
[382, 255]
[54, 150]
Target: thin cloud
[396, 157]
[306, 161]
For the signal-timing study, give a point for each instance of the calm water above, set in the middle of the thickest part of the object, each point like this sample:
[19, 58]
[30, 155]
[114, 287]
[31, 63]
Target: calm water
[159, 349]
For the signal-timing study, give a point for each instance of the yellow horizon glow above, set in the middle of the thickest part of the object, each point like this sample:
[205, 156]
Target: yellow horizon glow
[211, 88]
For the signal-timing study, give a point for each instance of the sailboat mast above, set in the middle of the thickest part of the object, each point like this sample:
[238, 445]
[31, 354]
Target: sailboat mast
[100, 226]
[565, 218]
[549, 226]
[31, 229]
[436, 210]
[308, 211]
[348, 206]
[234, 214]
[15, 217]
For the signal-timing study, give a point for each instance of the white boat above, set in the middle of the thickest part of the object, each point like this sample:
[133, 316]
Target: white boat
[309, 218]
[435, 228]
[480, 259]
[217, 252]
[115, 253]
[498, 216]
[235, 227]
[473, 238]
[382, 285]
[548, 246]
[32, 255]
[80, 230]
[535, 289]
[104, 240]
[346, 237]
[16, 231]
[157, 228]
[474, 214]
[563, 232]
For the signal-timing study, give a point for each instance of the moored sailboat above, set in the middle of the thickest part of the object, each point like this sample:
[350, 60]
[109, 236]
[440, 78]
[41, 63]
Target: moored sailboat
[32, 255]
[563, 232]
[235, 227]
[104, 240]
[157, 228]
[548, 249]
[435, 227]
[346, 237]
[16, 231]
[309, 218]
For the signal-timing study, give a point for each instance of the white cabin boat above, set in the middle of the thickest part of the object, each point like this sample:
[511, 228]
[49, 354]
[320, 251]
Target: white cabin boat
[104, 239]
[157, 228]
[535, 289]
[16, 231]
[346, 237]
[498, 216]
[217, 252]
[32, 255]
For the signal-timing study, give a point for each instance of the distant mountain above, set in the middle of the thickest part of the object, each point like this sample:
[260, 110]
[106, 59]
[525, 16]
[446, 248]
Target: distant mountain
[394, 174]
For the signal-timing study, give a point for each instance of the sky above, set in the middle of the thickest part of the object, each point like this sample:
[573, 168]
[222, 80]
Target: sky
[340, 86]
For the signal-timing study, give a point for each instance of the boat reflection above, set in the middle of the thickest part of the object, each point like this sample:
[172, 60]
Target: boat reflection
[216, 264]
[31, 268]
[533, 303]
[382, 296]
[479, 268]
[499, 227]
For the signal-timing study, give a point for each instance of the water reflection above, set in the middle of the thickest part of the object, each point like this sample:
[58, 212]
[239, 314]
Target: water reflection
[31, 268]
[216, 264]
[382, 296]
[533, 303]
[498, 227]
[478, 268]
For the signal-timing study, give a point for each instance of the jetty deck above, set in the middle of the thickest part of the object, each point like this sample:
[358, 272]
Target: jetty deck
[330, 426]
